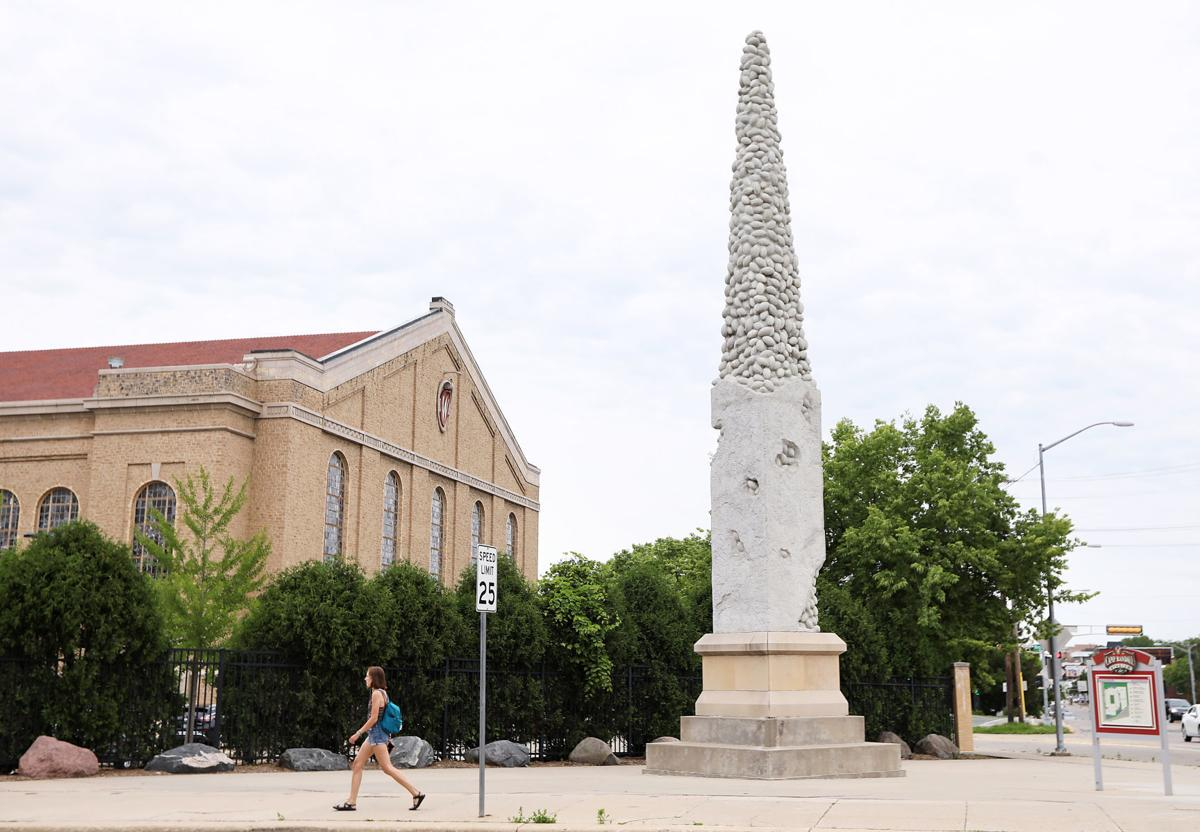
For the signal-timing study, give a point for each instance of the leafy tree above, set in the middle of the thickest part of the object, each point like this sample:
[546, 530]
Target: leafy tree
[687, 562]
[924, 545]
[79, 623]
[578, 618]
[203, 593]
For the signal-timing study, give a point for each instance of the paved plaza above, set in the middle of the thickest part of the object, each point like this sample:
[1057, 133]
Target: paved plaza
[1010, 794]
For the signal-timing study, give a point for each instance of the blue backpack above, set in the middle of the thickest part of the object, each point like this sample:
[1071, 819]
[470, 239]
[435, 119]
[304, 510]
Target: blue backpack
[392, 720]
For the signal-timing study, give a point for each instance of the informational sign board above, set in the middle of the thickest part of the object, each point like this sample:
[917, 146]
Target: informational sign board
[1126, 697]
[1125, 703]
[486, 586]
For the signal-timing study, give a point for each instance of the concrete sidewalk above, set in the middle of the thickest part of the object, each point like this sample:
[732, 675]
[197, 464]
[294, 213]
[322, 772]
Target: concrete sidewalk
[1013, 795]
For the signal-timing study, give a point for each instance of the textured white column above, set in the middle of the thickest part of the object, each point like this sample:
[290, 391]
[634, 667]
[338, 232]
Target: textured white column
[768, 532]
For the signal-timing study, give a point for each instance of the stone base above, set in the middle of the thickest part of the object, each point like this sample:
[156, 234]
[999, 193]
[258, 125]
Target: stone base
[766, 748]
[772, 709]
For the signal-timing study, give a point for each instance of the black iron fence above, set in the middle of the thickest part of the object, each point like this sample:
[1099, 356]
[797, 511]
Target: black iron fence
[254, 705]
[911, 708]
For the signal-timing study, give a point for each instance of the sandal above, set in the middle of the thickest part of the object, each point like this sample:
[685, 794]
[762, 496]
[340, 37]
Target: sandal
[346, 807]
[417, 801]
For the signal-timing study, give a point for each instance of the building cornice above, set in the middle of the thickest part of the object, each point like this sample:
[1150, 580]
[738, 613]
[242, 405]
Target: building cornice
[42, 407]
[288, 410]
[174, 400]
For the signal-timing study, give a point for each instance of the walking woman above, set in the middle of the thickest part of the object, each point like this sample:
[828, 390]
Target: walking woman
[376, 744]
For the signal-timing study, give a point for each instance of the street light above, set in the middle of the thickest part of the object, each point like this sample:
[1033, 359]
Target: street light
[1059, 747]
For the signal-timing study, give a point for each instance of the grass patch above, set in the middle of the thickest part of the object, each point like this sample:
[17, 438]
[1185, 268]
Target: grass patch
[1019, 728]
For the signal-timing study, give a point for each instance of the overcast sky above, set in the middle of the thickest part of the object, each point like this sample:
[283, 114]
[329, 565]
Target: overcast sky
[993, 203]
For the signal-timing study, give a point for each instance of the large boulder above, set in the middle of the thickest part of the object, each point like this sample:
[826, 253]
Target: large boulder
[665, 739]
[313, 759]
[895, 739]
[935, 745]
[504, 753]
[411, 752]
[191, 758]
[48, 757]
[593, 751]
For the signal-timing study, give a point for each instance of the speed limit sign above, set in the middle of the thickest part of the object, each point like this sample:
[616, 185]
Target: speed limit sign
[485, 579]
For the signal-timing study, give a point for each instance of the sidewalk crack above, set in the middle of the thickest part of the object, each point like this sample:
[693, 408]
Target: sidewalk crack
[826, 812]
[1111, 819]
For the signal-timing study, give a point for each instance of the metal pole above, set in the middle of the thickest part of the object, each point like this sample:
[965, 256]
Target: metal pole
[1192, 672]
[1162, 730]
[1045, 690]
[1060, 747]
[482, 702]
[1091, 693]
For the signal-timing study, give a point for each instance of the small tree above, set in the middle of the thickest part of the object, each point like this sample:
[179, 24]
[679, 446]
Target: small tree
[203, 594]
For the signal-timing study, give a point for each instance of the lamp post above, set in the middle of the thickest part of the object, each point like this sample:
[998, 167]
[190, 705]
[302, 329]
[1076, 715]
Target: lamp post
[1059, 747]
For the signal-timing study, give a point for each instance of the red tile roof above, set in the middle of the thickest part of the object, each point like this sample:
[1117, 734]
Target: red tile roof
[72, 373]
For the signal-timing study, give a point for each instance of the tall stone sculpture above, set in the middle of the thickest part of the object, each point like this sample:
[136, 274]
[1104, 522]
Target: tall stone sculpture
[767, 520]
[772, 705]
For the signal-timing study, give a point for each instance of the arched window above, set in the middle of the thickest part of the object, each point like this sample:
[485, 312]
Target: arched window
[391, 519]
[58, 506]
[160, 497]
[335, 505]
[476, 530]
[436, 528]
[10, 514]
[510, 536]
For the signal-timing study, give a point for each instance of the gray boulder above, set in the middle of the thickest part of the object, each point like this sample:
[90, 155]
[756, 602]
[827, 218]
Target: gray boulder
[895, 739]
[411, 752]
[935, 745]
[665, 739]
[313, 759]
[48, 757]
[593, 751]
[191, 758]
[504, 753]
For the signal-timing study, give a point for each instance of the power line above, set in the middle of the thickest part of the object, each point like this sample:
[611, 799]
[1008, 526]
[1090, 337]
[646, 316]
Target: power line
[1146, 473]
[1144, 545]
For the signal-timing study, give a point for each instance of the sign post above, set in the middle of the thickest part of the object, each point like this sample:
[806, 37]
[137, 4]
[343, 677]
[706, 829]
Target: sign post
[486, 587]
[1126, 692]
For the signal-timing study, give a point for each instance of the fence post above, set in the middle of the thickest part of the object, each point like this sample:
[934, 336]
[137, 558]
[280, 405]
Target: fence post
[963, 724]
[446, 710]
[217, 708]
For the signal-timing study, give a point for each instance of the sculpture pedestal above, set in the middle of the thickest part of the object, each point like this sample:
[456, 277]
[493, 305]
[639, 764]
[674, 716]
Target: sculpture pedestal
[772, 709]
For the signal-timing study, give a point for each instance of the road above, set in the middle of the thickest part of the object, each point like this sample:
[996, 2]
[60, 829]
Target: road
[1079, 742]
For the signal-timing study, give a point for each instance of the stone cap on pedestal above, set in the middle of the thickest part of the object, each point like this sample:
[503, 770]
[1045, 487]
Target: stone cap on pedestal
[770, 643]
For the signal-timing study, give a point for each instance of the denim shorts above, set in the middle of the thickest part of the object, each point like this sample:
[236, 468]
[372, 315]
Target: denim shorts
[377, 736]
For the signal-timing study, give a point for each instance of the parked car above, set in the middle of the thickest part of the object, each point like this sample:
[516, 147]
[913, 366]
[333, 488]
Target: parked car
[1190, 723]
[205, 727]
[1176, 708]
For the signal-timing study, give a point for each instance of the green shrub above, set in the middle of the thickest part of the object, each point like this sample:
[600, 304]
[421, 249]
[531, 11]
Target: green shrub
[657, 635]
[516, 639]
[429, 631]
[79, 623]
[329, 620]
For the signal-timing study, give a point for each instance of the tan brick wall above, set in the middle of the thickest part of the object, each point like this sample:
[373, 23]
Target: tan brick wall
[111, 453]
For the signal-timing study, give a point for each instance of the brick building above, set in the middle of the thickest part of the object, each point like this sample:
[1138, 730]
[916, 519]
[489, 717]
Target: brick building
[371, 446]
